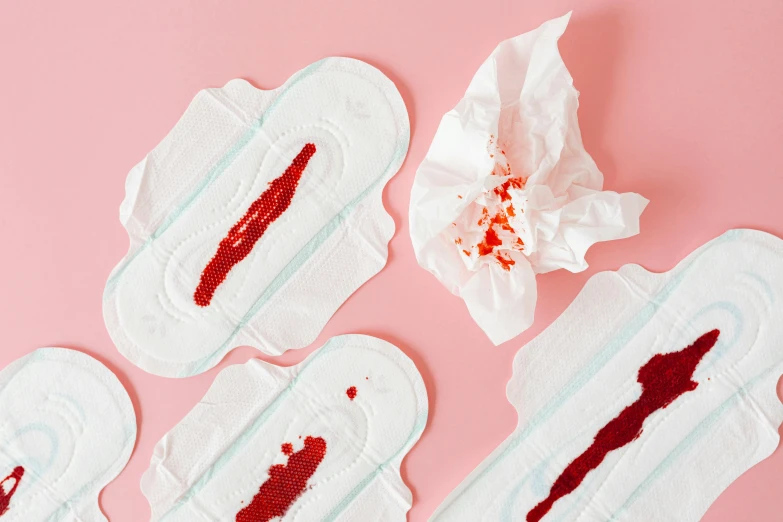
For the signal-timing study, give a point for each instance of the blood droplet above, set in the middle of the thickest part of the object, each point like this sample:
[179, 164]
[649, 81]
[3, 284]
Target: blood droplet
[8, 488]
[285, 484]
[351, 392]
[247, 231]
[663, 378]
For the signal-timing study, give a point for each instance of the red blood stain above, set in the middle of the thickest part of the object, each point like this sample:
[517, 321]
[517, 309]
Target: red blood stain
[510, 210]
[505, 262]
[243, 236]
[663, 378]
[285, 483]
[351, 392]
[7, 490]
[502, 221]
[287, 448]
[491, 240]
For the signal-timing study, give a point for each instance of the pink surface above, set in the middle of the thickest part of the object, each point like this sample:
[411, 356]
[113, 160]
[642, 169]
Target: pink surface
[681, 101]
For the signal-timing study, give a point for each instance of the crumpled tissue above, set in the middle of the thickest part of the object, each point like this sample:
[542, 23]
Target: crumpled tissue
[67, 429]
[507, 190]
[646, 398]
[322, 440]
[256, 217]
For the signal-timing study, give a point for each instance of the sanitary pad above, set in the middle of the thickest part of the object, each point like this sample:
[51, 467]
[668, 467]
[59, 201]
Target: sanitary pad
[507, 190]
[67, 429]
[322, 440]
[256, 217]
[646, 398]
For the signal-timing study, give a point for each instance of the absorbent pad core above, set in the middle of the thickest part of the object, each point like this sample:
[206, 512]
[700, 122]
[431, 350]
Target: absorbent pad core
[256, 217]
[322, 440]
[646, 398]
[67, 429]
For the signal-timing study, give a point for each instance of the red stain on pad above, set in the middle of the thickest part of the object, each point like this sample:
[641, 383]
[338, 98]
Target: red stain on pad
[663, 378]
[286, 482]
[8, 488]
[243, 236]
[351, 392]
[287, 448]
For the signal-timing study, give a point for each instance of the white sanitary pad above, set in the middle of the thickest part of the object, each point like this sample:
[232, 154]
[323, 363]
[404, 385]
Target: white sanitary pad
[507, 190]
[67, 429]
[322, 440]
[256, 217]
[584, 371]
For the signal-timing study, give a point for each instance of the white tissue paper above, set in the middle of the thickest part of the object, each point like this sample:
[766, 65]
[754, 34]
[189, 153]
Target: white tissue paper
[67, 429]
[322, 440]
[646, 398]
[256, 217]
[507, 190]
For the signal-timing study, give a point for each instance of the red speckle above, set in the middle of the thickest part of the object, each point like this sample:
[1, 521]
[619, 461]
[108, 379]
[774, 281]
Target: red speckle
[466, 252]
[351, 392]
[491, 240]
[510, 210]
[484, 216]
[366, 378]
[460, 197]
[458, 241]
[285, 483]
[287, 448]
[7, 489]
[663, 378]
[243, 236]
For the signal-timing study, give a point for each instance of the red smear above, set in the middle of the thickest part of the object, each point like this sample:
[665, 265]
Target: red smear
[6, 493]
[351, 392]
[285, 483]
[466, 252]
[510, 210]
[491, 240]
[287, 448]
[243, 236]
[663, 378]
[505, 262]
[502, 221]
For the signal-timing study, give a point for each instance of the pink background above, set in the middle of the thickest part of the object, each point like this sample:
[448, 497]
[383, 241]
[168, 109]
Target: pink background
[681, 101]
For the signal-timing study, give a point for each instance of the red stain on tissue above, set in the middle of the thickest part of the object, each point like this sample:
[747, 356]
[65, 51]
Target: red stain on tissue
[243, 236]
[7, 489]
[663, 378]
[285, 484]
[491, 243]
[351, 392]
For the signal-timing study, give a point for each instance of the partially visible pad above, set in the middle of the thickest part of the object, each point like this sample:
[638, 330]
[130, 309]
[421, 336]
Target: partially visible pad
[256, 217]
[322, 440]
[646, 398]
[67, 429]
